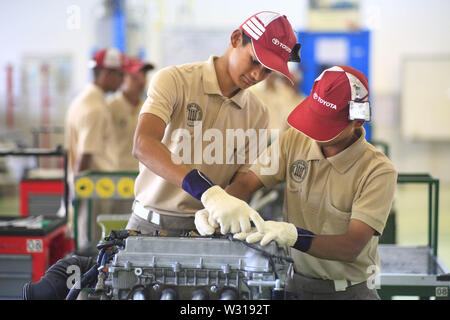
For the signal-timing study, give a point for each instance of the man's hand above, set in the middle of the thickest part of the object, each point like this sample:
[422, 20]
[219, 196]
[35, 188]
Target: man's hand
[232, 214]
[204, 223]
[282, 232]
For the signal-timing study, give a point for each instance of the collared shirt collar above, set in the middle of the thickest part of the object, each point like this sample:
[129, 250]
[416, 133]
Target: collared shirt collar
[133, 109]
[345, 159]
[96, 89]
[315, 152]
[211, 84]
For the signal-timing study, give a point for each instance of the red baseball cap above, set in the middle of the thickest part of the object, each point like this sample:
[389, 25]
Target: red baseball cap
[110, 58]
[272, 39]
[324, 114]
[135, 65]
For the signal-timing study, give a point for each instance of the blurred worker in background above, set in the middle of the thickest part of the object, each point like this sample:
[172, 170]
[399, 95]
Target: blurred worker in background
[89, 126]
[339, 192]
[124, 108]
[205, 95]
[280, 96]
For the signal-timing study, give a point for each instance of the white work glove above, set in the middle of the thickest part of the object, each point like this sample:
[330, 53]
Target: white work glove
[232, 214]
[205, 227]
[283, 233]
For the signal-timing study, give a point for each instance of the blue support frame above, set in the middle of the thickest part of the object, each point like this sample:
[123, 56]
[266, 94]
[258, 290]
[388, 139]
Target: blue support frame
[119, 25]
[358, 58]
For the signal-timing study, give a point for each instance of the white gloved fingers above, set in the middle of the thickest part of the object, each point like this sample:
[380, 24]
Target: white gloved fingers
[255, 198]
[267, 238]
[244, 223]
[235, 227]
[254, 237]
[257, 220]
[211, 221]
[224, 227]
[241, 235]
[201, 223]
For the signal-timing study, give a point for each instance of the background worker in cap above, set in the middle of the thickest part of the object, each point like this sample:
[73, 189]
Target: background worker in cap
[88, 124]
[124, 108]
[212, 95]
[339, 191]
[280, 96]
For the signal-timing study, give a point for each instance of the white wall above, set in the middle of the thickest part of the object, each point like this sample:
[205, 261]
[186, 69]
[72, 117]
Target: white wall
[43, 28]
[403, 28]
[210, 15]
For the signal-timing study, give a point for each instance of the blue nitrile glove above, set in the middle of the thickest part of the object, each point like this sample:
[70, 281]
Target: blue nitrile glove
[196, 183]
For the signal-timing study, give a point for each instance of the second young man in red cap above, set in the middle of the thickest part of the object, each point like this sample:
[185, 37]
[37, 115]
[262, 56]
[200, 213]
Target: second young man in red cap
[339, 192]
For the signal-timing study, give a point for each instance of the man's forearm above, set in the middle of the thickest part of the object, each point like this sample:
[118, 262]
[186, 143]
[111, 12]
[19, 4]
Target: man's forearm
[244, 185]
[155, 156]
[345, 247]
[333, 247]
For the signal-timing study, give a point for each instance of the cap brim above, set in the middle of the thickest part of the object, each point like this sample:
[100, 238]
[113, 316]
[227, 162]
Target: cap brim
[136, 68]
[305, 120]
[147, 67]
[271, 60]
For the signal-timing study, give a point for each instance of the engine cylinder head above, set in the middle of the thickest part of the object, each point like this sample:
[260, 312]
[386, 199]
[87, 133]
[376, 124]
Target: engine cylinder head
[229, 294]
[200, 294]
[168, 294]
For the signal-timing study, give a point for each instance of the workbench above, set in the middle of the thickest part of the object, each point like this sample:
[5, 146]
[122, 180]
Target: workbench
[416, 271]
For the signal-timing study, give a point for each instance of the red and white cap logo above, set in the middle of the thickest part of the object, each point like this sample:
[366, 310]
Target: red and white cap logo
[324, 114]
[272, 39]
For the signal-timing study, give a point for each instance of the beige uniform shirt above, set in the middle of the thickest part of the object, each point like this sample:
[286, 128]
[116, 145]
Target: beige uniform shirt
[188, 99]
[88, 129]
[124, 120]
[323, 194]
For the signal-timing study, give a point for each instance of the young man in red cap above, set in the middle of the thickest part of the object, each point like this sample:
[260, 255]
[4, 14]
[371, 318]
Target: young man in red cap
[339, 191]
[211, 96]
[88, 124]
[124, 108]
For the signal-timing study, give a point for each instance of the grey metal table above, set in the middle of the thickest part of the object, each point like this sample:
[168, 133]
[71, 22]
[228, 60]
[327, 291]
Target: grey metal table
[412, 271]
[416, 271]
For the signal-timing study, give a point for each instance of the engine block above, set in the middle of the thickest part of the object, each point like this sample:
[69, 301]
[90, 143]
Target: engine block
[194, 268]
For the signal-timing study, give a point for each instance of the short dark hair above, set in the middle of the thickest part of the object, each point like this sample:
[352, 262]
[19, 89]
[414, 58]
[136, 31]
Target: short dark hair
[96, 71]
[245, 39]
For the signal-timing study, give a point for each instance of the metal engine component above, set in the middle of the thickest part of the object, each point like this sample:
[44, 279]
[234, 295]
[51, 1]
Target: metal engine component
[195, 268]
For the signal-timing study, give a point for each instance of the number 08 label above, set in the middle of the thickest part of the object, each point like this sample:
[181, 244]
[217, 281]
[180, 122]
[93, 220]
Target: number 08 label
[34, 245]
[441, 291]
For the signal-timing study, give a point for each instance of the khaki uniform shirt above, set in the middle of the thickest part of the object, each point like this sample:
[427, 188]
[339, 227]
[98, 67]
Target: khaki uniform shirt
[88, 129]
[124, 119]
[188, 99]
[323, 194]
